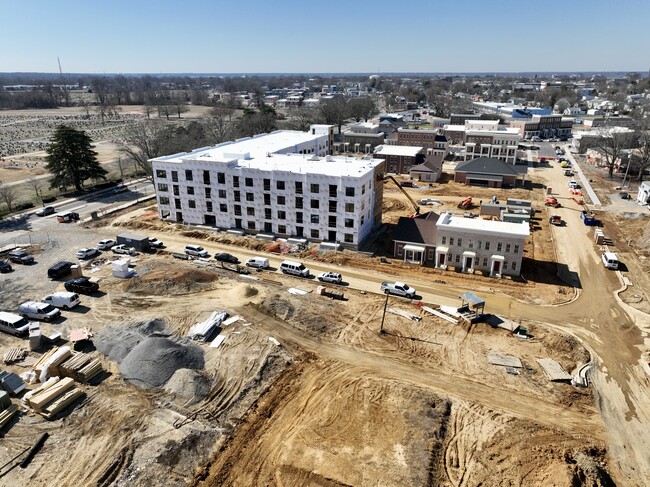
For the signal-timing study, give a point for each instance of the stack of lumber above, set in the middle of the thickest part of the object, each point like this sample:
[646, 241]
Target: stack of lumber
[7, 414]
[14, 355]
[80, 367]
[47, 365]
[52, 398]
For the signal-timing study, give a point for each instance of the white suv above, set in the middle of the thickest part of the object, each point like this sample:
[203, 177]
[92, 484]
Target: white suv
[87, 253]
[196, 251]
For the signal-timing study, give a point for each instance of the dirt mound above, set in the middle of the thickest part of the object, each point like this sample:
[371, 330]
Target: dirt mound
[172, 281]
[146, 354]
[393, 205]
[189, 385]
[276, 306]
[154, 360]
[242, 293]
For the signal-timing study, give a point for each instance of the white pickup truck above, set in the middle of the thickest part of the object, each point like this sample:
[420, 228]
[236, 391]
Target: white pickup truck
[399, 289]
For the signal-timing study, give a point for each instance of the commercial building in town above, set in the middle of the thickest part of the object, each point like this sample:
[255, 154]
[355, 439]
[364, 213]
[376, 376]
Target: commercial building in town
[490, 172]
[362, 137]
[485, 138]
[283, 183]
[544, 126]
[400, 158]
[427, 138]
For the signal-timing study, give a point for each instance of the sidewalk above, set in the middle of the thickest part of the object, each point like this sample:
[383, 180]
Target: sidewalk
[584, 182]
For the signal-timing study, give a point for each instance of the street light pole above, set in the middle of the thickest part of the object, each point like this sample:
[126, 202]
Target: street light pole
[627, 170]
[381, 328]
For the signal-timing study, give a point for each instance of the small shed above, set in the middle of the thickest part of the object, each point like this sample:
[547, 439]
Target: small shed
[472, 308]
[141, 244]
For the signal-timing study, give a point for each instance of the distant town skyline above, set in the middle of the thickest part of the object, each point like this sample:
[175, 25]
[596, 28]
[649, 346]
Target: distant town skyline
[254, 36]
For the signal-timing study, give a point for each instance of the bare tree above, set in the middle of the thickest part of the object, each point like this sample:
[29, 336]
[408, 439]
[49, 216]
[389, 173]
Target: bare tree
[643, 159]
[301, 118]
[37, 186]
[361, 107]
[612, 146]
[334, 112]
[121, 165]
[145, 141]
[219, 124]
[8, 195]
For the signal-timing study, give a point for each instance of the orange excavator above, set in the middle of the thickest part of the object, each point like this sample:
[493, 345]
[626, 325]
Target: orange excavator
[466, 204]
[552, 201]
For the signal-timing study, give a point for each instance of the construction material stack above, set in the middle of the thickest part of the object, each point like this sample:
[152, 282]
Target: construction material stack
[80, 367]
[53, 396]
[7, 409]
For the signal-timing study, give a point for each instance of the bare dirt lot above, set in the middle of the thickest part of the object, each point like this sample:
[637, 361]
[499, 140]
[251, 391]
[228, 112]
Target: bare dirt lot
[335, 403]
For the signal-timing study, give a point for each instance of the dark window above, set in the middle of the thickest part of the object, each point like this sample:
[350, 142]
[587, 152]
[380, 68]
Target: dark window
[331, 221]
[333, 190]
[238, 210]
[237, 196]
[208, 205]
[249, 182]
[222, 193]
[267, 199]
[314, 188]
[223, 207]
[267, 185]
[221, 178]
[348, 237]
[300, 231]
[206, 177]
[177, 204]
[282, 229]
[314, 204]
[162, 187]
[191, 203]
[281, 200]
[250, 211]
[251, 225]
[177, 190]
[349, 207]
[208, 193]
[298, 187]
[349, 191]
[299, 202]
[314, 218]
[161, 174]
[235, 181]
[280, 185]
[349, 223]
[268, 227]
[164, 200]
[314, 234]
[188, 175]
[299, 217]
[250, 197]
[267, 214]
[190, 190]
[175, 176]
[282, 215]
[332, 206]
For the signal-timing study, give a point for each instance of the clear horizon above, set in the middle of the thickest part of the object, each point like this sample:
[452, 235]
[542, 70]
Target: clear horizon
[342, 37]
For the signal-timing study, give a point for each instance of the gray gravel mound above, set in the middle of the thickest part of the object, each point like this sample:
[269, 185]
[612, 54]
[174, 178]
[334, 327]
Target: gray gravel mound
[154, 360]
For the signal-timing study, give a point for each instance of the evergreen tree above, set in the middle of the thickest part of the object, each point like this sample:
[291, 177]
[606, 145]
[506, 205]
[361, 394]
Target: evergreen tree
[71, 158]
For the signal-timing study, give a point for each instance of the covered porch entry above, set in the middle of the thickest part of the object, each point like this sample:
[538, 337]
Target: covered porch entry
[496, 265]
[414, 254]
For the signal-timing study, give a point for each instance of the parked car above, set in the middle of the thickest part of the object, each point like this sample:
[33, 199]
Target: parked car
[62, 299]
[19, 256]
[87, 253]
[294, 268]
[258, 262]
[333, 277]
[13, 323]
[120, 188]
[196, 251]
[67, 217]
[624, 195]
[5, 267]
[123, 249]
[81, 285]
[38, 311]
[155, 243]
[399, 289]
[226, 257]
[429, 201]
[46, 210]
[105, 244]
[60, 269]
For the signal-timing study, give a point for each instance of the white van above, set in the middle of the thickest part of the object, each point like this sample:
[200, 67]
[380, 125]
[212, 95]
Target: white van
[14, 324]
[610, 260]
[258, 262]
[573, 184]
[62, 299]
[38, 311]
[294, 268]
[196, 251]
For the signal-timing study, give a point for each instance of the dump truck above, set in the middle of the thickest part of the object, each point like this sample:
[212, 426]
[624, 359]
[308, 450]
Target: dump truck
[588, 218]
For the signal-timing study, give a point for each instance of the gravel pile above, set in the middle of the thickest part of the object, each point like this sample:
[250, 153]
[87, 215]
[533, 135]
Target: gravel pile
[189, 385]
[147, 355]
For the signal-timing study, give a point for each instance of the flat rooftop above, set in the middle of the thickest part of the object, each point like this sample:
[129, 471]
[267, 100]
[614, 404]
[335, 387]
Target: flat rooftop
[398, 150]
[476, 224]
[336, 166]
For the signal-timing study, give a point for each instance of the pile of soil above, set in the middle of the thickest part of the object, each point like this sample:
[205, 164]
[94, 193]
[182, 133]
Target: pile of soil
[170, 281]
[190, 385]
[242, 293]
[147, 355]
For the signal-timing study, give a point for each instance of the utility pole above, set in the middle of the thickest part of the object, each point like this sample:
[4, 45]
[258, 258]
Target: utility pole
[383, 316]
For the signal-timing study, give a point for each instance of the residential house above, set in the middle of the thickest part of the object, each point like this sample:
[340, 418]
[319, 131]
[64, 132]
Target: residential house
[414, 239]
[400, 158]
[429, 171]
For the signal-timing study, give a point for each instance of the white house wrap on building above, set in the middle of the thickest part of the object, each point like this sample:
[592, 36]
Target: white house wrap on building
[282, 183]
[473, 244]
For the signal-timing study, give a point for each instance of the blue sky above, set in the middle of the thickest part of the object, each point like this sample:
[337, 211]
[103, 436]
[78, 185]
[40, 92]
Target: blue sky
[246, 36]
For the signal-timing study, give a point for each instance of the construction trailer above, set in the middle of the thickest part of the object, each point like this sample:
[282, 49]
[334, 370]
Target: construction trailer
[141, 244]
[588, 218]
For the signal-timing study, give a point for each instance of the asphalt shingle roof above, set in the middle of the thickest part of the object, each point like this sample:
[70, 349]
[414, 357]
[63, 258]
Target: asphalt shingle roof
[489, 165]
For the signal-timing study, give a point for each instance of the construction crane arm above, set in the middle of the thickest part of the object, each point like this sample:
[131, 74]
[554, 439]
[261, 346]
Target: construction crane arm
[408, 196]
